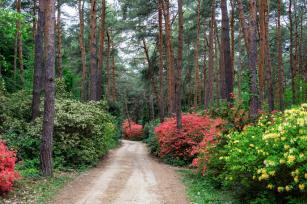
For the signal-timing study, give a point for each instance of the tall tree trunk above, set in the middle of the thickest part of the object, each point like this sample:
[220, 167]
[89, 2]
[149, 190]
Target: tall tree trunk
[15, 57]
[93, 50]
[19, 43]
[170, 57]
[268, 77]
[205, 59]
[228, 66]
[280, 85]
[179, 64]
[209, 87]
[38, 61]
[83, 52]
[197, 91]
[108, 88]
[232, 29]
[243, 24]
[113, 79]
[295, 55]
[252, 60]
[34, 22]
[59, 41]
[292, 67]
[101, 48]
[49, 110]
[161, 95]
[262, 53]
[239, 72]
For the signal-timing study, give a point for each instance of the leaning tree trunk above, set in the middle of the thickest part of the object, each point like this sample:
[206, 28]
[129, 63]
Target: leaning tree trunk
[49, 110]
[93, 54]
[38, 61]
[100, 51]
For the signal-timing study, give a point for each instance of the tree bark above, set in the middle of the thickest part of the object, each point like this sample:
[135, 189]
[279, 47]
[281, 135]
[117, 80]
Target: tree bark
[49, 109]
[209, 87]
[205, 59]
[280, 77]
[108, 89]
[38, 62]
[83, 52]
[93, 50]
[34, 22]
[100, 51]
[244, 25]
[228, 66]
[232, 25]
[292, 67]
[59, 41]
[170, 57]
[179, 64]
[252, 60]
[161, 95]
[113, 79]
[197, 91]
[19, 43]
[262, 53]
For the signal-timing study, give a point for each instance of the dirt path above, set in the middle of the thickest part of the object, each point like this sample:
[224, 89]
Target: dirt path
[128, 175]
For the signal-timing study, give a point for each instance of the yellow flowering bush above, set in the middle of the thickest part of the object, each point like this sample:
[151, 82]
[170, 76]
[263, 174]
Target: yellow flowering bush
[271, 154]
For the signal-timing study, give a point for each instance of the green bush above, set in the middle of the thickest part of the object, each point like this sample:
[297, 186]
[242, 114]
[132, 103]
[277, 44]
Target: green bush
[150, 138]
[269, 156]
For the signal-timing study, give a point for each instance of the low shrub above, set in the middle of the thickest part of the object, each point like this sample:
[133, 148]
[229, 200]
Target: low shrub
[150, 137]
[269, 156]
[184, 144]
[132, 130]
[7, 168]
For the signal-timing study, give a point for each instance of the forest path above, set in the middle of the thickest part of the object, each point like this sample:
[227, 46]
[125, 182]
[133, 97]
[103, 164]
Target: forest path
[127, 175]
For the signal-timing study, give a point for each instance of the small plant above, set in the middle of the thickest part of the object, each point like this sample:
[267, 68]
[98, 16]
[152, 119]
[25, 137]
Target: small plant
[7, 169]
[132, 130]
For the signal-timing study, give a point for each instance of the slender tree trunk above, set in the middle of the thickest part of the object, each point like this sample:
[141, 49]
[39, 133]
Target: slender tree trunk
[268, 77]
[239, 75]
[296, 53]
[197, 91]
[59, 41]
[19, 43]
[262, 53]
[280, 60]
[108, 91]
[170, 57]
[209, 87]
[82, 48]
[179, 64]
[34, 22]
[252, 60]
[161, 95]
[292, 68]
[232, 29]
[100, 51]
[15, 57]
[113, 79]
[228, 66]
[218, 70]
[49, 110]
[244, 25]
[205, 59]
[38, 62]
[93, 50]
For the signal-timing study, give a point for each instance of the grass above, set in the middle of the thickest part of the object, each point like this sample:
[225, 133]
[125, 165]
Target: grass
[200, 190]
[36, 189]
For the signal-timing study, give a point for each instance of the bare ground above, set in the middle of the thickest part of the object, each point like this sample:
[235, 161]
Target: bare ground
[127, 175]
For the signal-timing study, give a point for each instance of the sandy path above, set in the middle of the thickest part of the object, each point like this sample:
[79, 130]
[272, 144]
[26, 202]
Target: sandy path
[128, 175]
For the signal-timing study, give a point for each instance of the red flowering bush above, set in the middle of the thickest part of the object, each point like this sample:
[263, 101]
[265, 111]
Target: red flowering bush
[132, 130]
[185, 143]
[7, 168]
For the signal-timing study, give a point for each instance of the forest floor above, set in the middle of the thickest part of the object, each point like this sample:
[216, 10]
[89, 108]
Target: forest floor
[128, 175]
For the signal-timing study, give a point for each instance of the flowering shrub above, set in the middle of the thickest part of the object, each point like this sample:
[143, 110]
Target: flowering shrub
[132, 130]
[185, 143]
[271, 154]
[7, 169]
